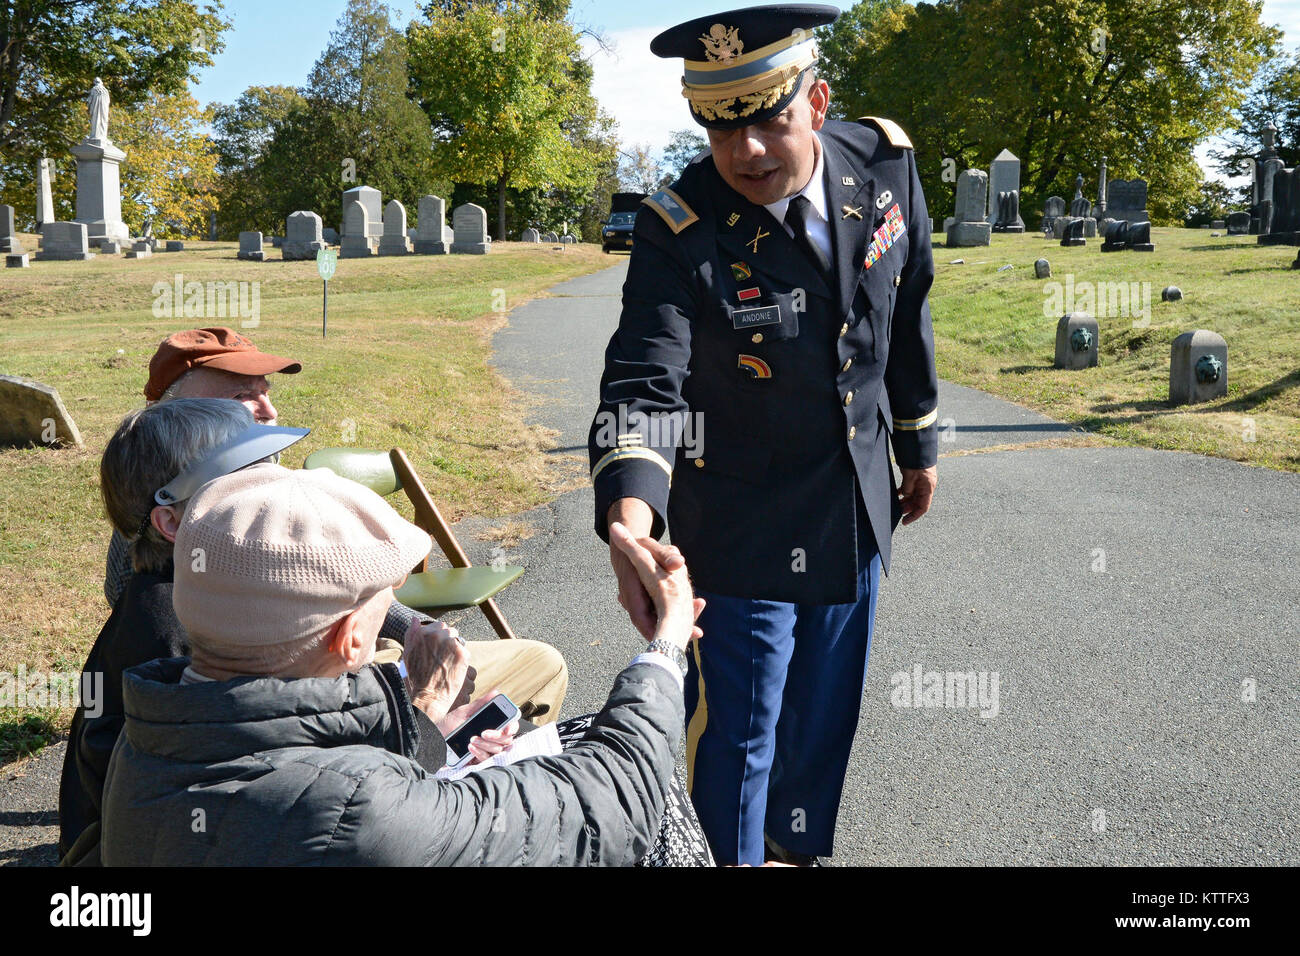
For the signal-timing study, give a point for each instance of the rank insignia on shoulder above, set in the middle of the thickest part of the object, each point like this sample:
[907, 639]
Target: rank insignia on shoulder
[740, 271]
[885, 236]
[745, 295]
[672, 209]
[891, 130]
[756, 367]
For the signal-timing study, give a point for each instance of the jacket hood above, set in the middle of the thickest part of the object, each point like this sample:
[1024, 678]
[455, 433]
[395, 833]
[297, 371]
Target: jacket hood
[210, 722]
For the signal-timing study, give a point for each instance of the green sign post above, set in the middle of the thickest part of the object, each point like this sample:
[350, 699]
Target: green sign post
[327, 261]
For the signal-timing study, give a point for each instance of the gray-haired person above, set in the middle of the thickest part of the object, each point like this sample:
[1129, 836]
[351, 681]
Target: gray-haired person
[151, 448]
[295, 751]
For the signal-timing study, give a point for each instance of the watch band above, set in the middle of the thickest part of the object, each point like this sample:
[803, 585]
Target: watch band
[669, 650]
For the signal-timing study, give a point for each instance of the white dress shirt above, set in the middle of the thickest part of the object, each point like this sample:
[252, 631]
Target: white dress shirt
[819, 225]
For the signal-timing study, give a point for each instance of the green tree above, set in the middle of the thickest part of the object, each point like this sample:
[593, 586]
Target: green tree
[1274, 99]
[513, 111]
[1059, 82]
[243, 132]
[52, 50]
[170, 173]
[1212, 202]
[683, 146]
[354, 124]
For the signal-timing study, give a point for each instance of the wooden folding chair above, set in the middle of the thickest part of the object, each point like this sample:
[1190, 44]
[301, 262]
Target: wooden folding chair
[462, 585]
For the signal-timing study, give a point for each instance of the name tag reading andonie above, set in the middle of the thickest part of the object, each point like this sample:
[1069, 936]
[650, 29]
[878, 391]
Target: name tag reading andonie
[760, 315]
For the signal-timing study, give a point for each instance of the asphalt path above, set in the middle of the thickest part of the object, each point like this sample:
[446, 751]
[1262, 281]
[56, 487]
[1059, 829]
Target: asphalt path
[1138, 610]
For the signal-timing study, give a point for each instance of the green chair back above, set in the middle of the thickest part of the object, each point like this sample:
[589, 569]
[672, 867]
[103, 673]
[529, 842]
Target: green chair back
[374, 469]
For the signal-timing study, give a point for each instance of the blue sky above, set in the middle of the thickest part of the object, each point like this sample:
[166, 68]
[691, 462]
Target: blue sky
[277, 41]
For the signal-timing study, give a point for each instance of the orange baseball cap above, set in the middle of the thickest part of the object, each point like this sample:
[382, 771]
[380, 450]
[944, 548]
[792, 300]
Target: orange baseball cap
[219, 348]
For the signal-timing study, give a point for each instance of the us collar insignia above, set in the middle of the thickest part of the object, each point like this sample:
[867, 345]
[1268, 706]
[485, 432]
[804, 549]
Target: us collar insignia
[722, 43]
[847, 181]
[740, 271]
[756, 367]
[854, 211]
[753, 243]
[733, 219]
[885, 236]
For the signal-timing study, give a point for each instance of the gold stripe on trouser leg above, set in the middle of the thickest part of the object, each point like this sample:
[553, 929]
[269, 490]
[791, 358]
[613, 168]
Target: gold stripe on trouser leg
[695, 729]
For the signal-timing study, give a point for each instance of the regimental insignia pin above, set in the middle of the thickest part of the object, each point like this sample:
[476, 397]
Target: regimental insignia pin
[756, 367]
[854, 211]
[733, 219]
[848, 181]
[740, 271]
[744, 295]
[753, 243]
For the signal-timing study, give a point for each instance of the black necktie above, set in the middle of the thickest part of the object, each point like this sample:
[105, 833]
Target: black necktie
[796, 217]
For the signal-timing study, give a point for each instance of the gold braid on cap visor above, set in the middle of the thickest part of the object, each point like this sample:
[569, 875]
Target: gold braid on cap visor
[749, 94]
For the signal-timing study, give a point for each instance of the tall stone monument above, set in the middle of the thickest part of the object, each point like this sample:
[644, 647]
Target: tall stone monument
[355, 243]
[970, 226]
[99, 186]
[44, 197]
[1127, 199]
[1284, 220]
[8, 238]
[1267, 164]
[1004, 178]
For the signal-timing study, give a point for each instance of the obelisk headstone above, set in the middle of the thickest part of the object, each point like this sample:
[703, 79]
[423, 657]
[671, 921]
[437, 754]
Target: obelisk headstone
[1004, 177]
[44, 197]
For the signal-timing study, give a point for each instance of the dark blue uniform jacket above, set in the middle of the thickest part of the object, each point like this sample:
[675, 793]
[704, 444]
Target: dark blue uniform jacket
[749, 401]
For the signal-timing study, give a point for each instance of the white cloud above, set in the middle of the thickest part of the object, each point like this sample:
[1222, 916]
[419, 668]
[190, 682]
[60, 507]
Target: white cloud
[640, 90]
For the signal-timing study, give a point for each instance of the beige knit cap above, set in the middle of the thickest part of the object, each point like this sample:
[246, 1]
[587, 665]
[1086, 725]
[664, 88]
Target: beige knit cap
[267, 555]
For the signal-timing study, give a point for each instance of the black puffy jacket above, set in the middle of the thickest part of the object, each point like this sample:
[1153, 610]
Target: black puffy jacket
[268, 772]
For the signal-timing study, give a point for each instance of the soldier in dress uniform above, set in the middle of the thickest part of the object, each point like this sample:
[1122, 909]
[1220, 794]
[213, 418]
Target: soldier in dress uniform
[774, 342]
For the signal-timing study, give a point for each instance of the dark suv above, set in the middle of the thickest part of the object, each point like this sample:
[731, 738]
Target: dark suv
[616, 232]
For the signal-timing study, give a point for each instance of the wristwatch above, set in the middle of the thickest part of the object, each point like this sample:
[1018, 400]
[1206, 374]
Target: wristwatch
[670, 650]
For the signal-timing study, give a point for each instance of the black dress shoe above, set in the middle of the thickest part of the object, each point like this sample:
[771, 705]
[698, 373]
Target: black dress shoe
[778, 854]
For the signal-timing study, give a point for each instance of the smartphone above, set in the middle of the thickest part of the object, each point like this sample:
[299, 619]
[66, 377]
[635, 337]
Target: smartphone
[496, 714]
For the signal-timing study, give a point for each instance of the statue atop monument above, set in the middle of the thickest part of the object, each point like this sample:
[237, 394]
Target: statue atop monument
[97, 102]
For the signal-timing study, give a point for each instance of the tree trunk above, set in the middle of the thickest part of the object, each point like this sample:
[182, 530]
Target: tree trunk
[502, 180]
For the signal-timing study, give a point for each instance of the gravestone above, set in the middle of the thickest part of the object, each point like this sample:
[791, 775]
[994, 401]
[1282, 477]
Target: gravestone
[971, 227]
[212, 227]
[110, 247]
[1076, 341]
[8, 237]
[568, 239]
[1198, 368]
[1004, 179]
[16, 260]
[469, 226]
[44, 197]
[1127, 199]
[550, 237]
[65, 241]
[250, 247]
[1100, 211]
[277, 242]
[140, 249]
[1139, 237]
[302, 236]
[530, 235]
[372, 202]
[1053, 208]
[175, 246]
[395, 241]
[429, 229]
[99, 189]
[1080, 207]
[356, 243]
[1284, 227]
[330, 236]
[1267, 164]
[1218, 224]
[1073, 232]
[1117, 237]
[1238, 223]
[34, 414]
[1008, 214]
[1042, 269]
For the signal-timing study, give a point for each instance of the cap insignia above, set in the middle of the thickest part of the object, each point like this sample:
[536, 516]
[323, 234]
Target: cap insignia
[722, 43]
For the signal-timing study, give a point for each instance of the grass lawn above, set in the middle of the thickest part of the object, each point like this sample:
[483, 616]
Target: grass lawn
[405, 364]
[997, 331]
